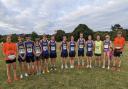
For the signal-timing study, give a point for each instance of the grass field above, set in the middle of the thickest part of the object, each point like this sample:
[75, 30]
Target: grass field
[95, 78]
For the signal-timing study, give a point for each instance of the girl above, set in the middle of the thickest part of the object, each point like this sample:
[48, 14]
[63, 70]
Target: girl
[9, 50]
[64, 52]
[98, 46]
[72, 47]
[107, 44]
[119, 43]
[81, 45]
[37, 53]
[21, 56]
[45, 53]
[89, 54]
[53, 55]
[30, 60]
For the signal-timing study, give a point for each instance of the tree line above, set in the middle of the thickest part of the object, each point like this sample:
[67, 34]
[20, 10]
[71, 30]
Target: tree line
[80, 28]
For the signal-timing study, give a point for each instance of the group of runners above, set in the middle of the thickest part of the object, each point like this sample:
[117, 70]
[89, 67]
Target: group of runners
[34, 57]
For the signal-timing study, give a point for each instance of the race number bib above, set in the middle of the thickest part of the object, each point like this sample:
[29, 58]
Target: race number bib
[106, 46]
[45, 48]
[81, 46]
[29, 50]
[64, 47]
[72, 48]
[22, 51]
[38, 51]
[53, 48]
[89, 49]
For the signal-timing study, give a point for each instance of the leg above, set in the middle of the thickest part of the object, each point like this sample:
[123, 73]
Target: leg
[104, 59]
[14, 68]
[8, 73]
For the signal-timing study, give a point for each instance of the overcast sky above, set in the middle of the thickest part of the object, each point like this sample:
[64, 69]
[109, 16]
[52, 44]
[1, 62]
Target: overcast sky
[46, 16]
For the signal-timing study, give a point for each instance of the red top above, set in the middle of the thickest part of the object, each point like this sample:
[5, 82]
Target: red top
[119, 42]
[9, 48]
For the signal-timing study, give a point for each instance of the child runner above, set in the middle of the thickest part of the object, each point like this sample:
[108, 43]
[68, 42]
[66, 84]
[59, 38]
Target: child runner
[53, 55]
[107, 44]
[29, 45]
[64, 52]
[37, 53]
[89, 54]
[45, 53]
[119, 43]
[9, 50]
[21, 57]
[81, 45]
[72, 52]
[98, 46]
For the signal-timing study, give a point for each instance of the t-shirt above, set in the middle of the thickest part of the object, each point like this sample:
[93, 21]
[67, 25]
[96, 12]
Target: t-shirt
[9, 48]
[119, 42]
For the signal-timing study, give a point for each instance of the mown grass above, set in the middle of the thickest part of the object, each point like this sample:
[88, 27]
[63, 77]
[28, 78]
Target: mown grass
[95, 78]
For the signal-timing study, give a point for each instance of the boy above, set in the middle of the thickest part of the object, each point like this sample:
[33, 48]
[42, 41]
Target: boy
[72, 52]
[37, 53]
[53, 55]
[64, 52]
[98, 46]
[29, 45]
[81, 45]
[89, 54]
[21, 56]
[45, 53]
[107, 44]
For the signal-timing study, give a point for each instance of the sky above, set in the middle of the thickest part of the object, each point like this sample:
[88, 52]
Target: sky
[46, 16]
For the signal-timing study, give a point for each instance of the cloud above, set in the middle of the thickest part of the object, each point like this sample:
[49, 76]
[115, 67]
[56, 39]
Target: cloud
[45, 16]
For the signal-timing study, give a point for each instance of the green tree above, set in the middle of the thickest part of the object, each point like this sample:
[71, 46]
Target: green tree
[59, 34]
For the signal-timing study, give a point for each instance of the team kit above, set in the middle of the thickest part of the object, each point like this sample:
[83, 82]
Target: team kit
[34, 56]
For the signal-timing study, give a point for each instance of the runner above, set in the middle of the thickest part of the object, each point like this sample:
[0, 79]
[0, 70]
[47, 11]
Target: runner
[89, 54]
[9, 50]
[107, 44]
[72, 52]
[81, 45]
[53, 55]
[64, 52]
[45, 53]
[29, 45]
[119, 43]
[21, 57]
[37, 53]
[98, 46]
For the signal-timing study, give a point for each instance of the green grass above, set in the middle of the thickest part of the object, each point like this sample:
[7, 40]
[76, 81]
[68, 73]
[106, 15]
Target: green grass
[95, 78]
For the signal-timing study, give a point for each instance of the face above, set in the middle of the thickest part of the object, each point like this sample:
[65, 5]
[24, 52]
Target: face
[52, 38]
[72, 38]
[64, 38]
[8, 39]
[107, 37]
[98, 37]
[19, 39]
[118, 35]
[81, 35]
[44, 37]
[28, 38]
[89, 37]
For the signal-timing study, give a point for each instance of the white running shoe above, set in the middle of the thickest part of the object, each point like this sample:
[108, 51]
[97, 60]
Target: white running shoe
[108, 67]
[103, 67]
[66, 67]
[21, 76]
[90, 66]
[26, 75]
[62, 67]
[87, 66]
